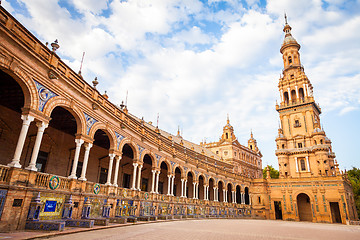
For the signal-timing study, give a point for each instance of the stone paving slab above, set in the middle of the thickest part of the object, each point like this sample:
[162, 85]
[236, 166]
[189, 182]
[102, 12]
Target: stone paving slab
[206, 229]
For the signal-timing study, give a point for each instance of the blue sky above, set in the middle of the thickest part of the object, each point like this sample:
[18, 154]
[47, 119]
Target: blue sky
[194, 62]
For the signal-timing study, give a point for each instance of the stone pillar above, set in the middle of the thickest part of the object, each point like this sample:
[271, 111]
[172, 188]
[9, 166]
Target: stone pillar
[153, 181]
[182, 187]
[116, 174]
[139, 178]
[214, 188]
[234, 196]
[185, 186]
[296, 165]
[78, 142]
[297, 92]
[281, 95]
[85, 163]
[111, 160]
[305, 91]
[27, 119]
[289, 94]
[205, 193]
[194, 190]
[41, 128]
[169, 184]
[307, 162]
[172, 185]
[134, 176]
[224, 195]
[250, 199]
[197, 190]
[157, 182]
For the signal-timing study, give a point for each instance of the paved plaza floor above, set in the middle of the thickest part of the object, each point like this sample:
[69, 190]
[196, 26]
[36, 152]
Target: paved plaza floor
[223, 229]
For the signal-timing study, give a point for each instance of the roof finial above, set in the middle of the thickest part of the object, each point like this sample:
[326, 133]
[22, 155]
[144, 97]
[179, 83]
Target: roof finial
[251, 134]
[228, 121]
[286, 19]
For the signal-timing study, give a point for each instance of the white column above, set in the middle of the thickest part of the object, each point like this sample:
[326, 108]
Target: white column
[153, 181]
[139, 178]
[296, 165]
[194, 190]
[41, 128]
[281, 95]
[85, 162]
[169, 184]
[289, 94]
[78, 142]
[242, 198]
[224, 195]
[157, 182]
[234, 196]
[182, 187]
[185, 186]
[305, 90]
[250, 199]
[297, 92]
[27, 119]
[308, 163]
[117, 163]
[205, 195]
[207, 192]
[134, 176]
[197, 190]
[172, 185]
[111, 160]
[215, 194]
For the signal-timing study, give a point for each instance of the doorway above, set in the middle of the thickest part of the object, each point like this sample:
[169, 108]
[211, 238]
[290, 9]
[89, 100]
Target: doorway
[278, 210]
[335, 212]
[304, 207]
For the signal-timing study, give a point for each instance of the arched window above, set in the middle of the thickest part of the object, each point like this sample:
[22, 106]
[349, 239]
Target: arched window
[290, 60]
[302, 164]
[301, 94]
[227, 136]
[293, 96]
[286, 97]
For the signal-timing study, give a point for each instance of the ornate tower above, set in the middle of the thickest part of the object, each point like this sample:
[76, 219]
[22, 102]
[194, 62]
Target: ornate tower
[252, 143]
[303, 150]
[228, 132]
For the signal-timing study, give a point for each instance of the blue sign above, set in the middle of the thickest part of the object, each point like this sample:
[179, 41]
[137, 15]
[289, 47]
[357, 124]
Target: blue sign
[50, 206]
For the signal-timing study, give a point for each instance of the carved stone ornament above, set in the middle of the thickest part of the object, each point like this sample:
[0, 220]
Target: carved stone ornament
[52, 75]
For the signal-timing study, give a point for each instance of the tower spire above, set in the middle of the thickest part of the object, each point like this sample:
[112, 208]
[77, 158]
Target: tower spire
[286, 22]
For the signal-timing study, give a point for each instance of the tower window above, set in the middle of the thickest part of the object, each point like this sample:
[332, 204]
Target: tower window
[251, 147]
[283, 146]
[286, 97]
[302, 164]
[290, 60]
[321, 141]
[292, 76]
[297, 124]
[227, 135]
[300, 145]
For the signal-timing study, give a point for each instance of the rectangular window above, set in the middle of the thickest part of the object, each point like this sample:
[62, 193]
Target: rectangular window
[126, 180]
[144, 184]
[302, 163]
[103, 175]
[41, 161]
[299, 145]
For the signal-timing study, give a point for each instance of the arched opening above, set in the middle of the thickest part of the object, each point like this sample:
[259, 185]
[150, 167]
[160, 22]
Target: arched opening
[304, 207]
[238, 194]
[177, 181]
[286, 97]
[98, 163]
[301, 94]
[126, 167]
[163, 178]
[211, 189]
[146, 174]
[58, 144]
[201, 187]
[221, 192]
[293, 96]
[229, 193]
[190, 185]
[11, 101]
[290, 60]
[247, 198]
